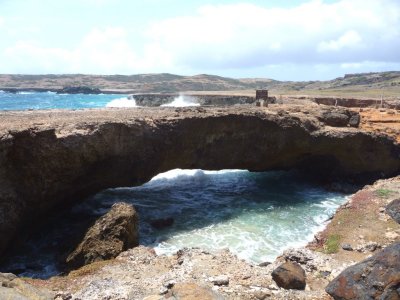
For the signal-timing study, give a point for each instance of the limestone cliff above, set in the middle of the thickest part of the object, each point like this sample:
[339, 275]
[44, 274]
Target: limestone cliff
[52, 158]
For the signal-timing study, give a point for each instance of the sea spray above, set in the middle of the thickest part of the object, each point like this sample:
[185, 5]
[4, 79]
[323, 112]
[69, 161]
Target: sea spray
[122, 102]
[182, 101]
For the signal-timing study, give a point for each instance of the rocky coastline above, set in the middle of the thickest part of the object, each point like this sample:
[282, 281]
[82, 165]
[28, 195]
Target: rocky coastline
[44, 155]
[139, 273]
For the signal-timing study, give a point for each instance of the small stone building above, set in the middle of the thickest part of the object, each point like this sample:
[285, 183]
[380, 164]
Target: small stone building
[262, 97]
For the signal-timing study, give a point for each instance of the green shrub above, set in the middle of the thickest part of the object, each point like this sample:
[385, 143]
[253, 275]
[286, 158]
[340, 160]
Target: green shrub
[331, 244]
[383, 193]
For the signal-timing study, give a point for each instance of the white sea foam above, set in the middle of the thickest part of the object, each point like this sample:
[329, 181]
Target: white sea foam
[122, 102]
[178, 176]
[182, 101]
[25, 93]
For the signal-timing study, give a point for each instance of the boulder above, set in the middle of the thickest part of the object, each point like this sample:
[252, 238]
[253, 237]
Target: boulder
[290, 275]
[393, 210]
[220, 280]
[347, 247]
[335, 119]
[377, 277]
[355, 120]
[113, 233]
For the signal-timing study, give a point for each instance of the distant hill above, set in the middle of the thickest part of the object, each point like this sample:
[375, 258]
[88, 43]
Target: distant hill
[374, 83]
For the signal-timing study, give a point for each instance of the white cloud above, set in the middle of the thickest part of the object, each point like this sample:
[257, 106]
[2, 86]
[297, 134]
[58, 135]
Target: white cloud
[230, 37]
[246, 35]
[349, 39]
[100, 51]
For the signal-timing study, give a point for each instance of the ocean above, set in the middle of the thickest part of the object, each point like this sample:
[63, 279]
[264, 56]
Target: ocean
[51, 100]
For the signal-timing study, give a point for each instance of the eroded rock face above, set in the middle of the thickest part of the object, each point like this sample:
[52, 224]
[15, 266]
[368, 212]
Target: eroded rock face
[393, 210]
[48, 158]
[290, 275]
[113, 233]
[153, 100]
[377, 277]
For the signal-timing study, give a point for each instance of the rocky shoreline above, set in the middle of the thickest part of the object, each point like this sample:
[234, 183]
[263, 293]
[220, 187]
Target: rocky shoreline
[45, 154]
[139, 273]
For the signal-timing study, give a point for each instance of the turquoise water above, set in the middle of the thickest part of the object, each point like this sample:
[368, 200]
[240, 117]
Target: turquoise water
[50, 100]
[255, 215]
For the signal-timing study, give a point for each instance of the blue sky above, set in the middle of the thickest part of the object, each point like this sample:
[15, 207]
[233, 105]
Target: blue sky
[286, 40]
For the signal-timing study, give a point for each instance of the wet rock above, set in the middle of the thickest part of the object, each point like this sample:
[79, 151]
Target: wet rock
[220, 280]
[374, 278]
[290, 275]
[347, 247]
[393, 210]
[162, 223]
[12, 287]
[113, 233]
[264, 264]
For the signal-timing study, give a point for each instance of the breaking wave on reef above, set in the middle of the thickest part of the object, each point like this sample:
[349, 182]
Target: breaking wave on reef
[182, 101]
[122, 102]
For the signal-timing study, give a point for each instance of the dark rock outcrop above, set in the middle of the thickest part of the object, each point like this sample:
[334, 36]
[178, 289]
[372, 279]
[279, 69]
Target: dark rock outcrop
[393, 210]
[377, 277]
[341, 118]
[79, 90]
[153, 100]
[113, 233]
[53, 158]
[290, 275]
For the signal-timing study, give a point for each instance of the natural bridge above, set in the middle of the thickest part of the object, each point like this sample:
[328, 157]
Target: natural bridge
[55, 158]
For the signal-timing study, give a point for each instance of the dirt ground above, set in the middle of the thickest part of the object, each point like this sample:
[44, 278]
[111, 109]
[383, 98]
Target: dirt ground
[381, 120]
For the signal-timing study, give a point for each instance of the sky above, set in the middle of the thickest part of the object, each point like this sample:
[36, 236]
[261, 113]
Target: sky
[284, 40]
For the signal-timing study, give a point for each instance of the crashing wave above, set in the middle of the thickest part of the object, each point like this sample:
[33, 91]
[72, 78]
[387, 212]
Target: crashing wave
[182, 101]
[122, 102]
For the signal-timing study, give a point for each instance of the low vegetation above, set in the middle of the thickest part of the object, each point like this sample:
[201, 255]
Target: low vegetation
[384, 193]
[332, 244]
